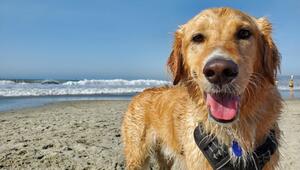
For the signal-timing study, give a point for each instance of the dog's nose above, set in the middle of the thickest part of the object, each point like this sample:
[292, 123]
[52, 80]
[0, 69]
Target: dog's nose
[220, 71]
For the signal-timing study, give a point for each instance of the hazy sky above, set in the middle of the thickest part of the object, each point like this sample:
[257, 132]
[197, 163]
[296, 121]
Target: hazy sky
[117, 38]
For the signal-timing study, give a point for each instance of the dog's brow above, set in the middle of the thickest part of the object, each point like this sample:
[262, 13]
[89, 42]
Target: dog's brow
[209, 16]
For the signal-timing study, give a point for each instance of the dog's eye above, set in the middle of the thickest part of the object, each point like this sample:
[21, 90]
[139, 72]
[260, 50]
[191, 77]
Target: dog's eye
[243, 34]
[198, 38]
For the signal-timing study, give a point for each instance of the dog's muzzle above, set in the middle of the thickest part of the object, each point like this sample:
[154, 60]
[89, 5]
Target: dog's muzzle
[222, 105]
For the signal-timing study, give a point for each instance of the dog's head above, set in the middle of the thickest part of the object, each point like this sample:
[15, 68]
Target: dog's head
[224, 51]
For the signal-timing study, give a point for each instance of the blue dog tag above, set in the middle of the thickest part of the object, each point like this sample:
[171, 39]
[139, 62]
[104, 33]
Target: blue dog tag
[237, 150]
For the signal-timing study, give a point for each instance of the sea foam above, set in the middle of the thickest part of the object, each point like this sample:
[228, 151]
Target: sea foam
[89, 87]
[82, 87]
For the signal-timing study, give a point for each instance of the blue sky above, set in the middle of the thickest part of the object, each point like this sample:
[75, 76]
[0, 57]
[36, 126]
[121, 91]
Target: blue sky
[104, 39]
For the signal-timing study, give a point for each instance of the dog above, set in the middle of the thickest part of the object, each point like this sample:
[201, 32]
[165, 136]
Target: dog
[223, 66]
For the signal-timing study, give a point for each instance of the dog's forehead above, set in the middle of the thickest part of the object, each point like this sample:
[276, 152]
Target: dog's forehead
[211, 18]
[216, 14]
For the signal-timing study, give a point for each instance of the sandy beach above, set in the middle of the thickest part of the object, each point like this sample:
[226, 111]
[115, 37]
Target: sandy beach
[67, 135]
[86, 135]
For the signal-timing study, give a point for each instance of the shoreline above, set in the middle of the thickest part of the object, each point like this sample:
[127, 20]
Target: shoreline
[86, 135]
[88, 100]
[24, 102]
[16, 103]
[53, 104]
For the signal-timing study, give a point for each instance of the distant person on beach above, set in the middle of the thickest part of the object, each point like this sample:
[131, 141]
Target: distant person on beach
[291, 82]
[291, 85]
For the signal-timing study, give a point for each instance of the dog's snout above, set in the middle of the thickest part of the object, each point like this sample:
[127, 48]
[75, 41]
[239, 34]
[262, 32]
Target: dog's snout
[220, 71]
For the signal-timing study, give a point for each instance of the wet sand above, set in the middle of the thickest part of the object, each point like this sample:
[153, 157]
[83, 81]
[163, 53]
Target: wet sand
[86, 135]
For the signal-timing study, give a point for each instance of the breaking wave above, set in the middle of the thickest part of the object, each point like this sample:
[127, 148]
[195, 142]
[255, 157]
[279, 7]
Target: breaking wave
[92, 87]
[81, 87]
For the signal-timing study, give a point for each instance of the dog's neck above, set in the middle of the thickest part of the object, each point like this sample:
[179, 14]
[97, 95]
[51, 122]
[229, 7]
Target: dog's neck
[219, 155]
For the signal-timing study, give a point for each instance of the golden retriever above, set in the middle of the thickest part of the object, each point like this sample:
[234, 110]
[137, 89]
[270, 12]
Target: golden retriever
[223, 64]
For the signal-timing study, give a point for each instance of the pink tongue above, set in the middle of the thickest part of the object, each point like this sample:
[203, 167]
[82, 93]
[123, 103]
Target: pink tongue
[222, 108]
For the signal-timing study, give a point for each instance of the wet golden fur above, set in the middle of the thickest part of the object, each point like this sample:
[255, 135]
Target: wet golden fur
[161, 121]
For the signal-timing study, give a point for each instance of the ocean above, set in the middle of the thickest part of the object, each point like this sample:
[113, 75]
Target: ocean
[16, 94]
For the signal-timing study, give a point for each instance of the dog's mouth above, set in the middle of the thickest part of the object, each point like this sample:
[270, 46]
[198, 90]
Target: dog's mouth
[222, 107]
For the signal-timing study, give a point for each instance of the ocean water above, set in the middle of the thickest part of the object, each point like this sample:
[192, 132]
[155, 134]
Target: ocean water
[16, 94]
[14, 103]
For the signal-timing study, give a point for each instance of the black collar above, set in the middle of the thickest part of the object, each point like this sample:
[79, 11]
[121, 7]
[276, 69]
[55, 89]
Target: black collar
[220, 159]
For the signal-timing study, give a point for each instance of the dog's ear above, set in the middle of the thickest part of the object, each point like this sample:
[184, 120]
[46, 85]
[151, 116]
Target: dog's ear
[175, 60]
[271, 56]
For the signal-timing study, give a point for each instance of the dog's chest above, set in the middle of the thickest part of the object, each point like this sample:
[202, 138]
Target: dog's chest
[189, 159]
[190, 156]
